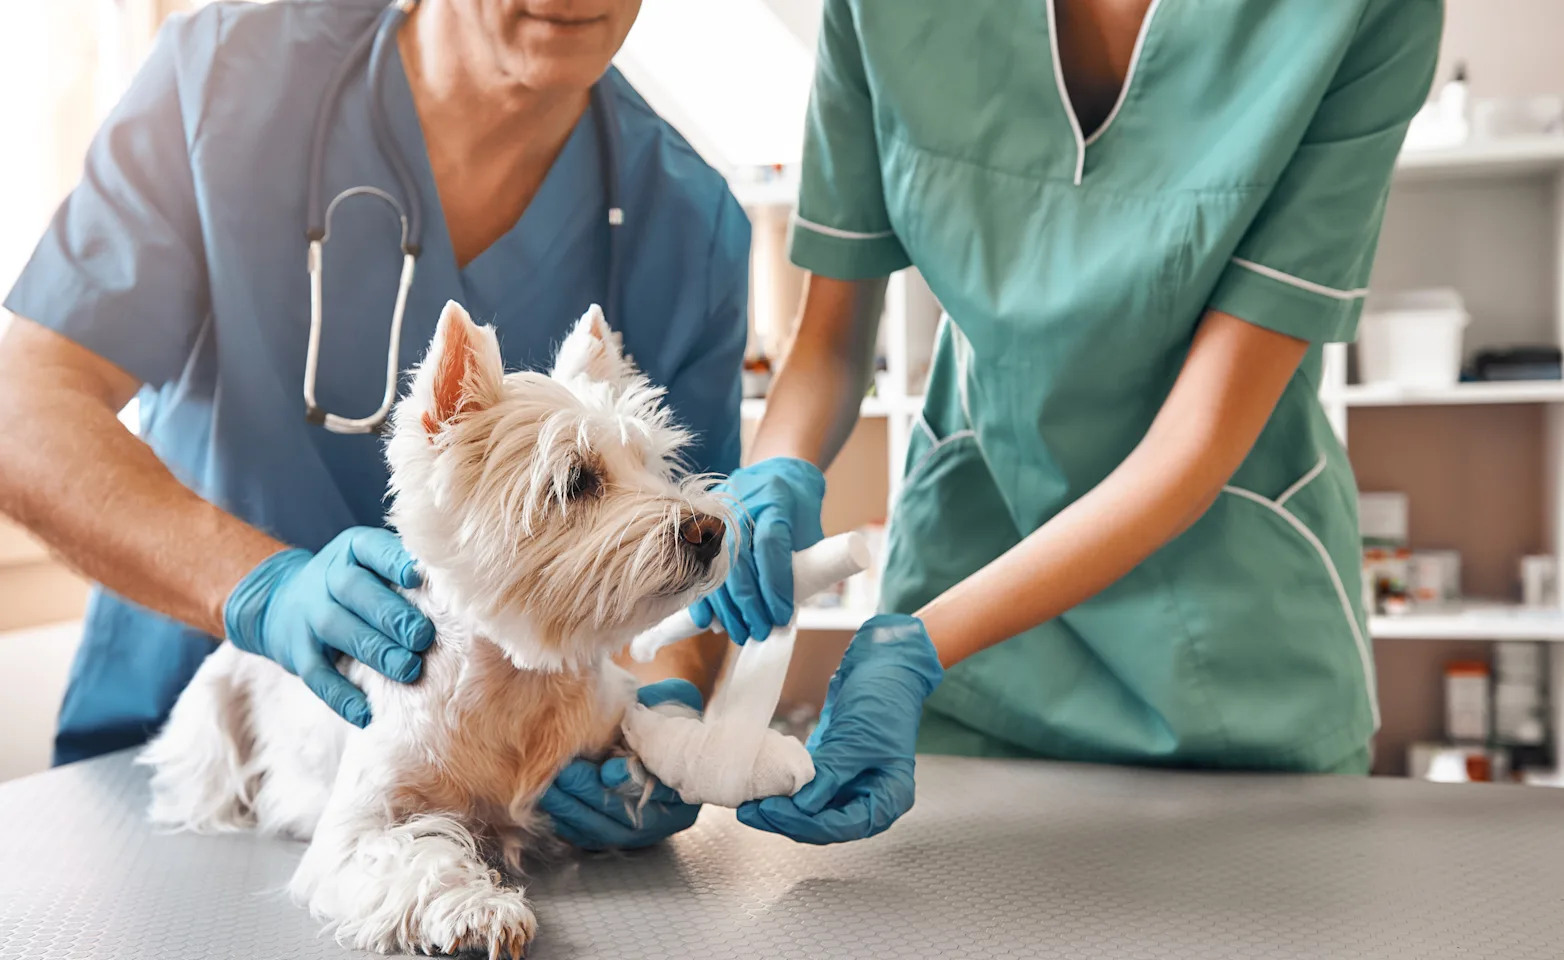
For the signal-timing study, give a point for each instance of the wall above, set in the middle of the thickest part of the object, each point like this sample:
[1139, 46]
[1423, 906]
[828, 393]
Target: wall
[1511, 47]
[71, 57]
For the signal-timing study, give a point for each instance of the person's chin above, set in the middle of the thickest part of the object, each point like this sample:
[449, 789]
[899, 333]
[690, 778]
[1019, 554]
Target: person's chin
[547, 57]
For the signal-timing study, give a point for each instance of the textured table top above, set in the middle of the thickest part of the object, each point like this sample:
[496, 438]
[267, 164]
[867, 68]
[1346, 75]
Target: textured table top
[999, 859]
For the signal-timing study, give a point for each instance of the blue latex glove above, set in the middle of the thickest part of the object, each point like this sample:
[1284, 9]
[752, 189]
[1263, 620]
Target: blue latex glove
[863, 745]
[779, 513]
[302, 609]
[593, 806]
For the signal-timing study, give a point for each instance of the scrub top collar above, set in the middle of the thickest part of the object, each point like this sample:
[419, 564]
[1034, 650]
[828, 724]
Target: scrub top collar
[567, 203]
[1082, 140]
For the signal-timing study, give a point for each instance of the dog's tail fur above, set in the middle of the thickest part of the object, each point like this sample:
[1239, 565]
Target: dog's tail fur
[203, 779]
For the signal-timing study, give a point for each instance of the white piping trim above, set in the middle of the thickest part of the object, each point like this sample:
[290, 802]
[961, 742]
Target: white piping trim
[962, 350]
[1301, 283]
[839, 234]
[1364, 657]
[1129, 75]
[1303, 481]
[1064, 94]
[923, 461]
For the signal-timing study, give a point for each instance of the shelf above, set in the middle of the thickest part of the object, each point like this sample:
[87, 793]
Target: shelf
[1517, 157]
[1390, 395]
[1472, 622]
[754, 408]
[831, 618]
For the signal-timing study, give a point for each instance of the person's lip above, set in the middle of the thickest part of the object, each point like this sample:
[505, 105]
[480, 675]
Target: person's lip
[566, 23]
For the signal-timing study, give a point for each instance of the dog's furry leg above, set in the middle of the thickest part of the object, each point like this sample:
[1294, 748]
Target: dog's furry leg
[411, 884]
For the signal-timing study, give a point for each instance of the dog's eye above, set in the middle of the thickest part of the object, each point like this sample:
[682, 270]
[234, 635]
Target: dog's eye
[584, 482]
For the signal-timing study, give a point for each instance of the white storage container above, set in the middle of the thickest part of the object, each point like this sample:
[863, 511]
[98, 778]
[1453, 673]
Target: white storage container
[1413, 339]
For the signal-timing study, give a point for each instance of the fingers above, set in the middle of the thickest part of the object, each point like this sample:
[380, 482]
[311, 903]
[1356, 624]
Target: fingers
[773, 551]
[368, 597]
[339, 629]
[330, 686]
[865, 807]
[675, 689]
[578, 824]
[701, 613]
[381, 551]
[582, 781]
[740, 599]
[615, 774]
[727, 611]
[813, 796]
[587, 815]
[836, 825]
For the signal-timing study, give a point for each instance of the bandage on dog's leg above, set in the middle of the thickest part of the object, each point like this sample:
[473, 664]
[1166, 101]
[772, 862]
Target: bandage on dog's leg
[732, 754]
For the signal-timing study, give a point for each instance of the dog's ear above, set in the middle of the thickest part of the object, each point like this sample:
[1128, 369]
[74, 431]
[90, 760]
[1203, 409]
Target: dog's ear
[462, 371]
[592, 350]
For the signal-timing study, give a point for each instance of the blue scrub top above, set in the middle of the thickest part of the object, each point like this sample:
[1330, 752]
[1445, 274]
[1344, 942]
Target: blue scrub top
[180, 257]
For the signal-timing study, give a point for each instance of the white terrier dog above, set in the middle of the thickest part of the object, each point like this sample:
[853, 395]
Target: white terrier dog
[551, 526]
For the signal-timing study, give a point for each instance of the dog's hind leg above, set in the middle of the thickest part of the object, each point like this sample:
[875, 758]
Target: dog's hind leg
[202, 777]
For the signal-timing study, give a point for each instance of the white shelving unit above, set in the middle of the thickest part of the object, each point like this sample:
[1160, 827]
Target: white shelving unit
[1377, 395]
[1479, 181]
[1454, 211]
[1472, 622]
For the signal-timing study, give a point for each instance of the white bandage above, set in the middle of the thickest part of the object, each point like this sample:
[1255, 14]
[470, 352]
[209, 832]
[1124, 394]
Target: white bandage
[732, 755]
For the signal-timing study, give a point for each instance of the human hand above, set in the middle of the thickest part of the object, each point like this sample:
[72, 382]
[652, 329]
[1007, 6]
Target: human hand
[301, 609]
[863, 745]
[779, 500]
[593, 806]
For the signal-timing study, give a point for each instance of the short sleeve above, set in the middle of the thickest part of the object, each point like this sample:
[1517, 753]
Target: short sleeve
[707, 392]
[120, 269]
[841, 229]
[1302, 268]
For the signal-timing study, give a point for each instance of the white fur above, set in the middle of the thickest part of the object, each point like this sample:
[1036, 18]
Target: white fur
[512, 562]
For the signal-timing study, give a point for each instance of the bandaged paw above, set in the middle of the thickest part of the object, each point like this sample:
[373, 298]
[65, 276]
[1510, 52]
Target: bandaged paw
[722, 761]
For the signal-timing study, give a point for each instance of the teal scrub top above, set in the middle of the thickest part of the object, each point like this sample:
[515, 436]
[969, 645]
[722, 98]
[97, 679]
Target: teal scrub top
[180, 257]
[1244, 169]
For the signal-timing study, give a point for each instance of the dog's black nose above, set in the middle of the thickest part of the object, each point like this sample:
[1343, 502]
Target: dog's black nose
[702, 536]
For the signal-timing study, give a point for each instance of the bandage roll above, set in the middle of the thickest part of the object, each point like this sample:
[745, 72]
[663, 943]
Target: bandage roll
[828, 562]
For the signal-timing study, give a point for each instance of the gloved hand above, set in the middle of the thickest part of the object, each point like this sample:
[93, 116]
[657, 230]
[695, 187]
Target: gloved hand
[863, 745]
[593, 806]
[301, 609]
[779, 513]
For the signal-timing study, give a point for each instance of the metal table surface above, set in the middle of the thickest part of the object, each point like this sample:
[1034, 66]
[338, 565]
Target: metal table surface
[999, 859]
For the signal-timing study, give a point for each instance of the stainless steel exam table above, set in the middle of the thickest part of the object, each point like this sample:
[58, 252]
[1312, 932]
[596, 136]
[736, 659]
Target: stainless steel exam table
[999, 859]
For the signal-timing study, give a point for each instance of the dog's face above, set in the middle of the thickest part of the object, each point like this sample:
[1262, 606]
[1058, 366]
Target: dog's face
[550, 507]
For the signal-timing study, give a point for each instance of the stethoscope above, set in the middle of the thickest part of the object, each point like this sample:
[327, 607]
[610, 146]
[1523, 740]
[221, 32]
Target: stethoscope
[374, 44]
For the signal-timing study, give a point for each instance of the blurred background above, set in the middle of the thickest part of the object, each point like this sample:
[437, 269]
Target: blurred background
[1451, 403]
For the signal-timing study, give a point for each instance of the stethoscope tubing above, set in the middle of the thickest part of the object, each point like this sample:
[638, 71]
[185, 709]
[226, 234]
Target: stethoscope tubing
[373, 45]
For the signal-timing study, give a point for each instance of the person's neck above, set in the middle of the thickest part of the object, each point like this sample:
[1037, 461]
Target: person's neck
[468, 107]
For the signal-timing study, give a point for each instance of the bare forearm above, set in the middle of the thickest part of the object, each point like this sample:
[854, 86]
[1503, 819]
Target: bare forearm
[100, 498]
[1229, 386]
[1151, 498]
[814, 403]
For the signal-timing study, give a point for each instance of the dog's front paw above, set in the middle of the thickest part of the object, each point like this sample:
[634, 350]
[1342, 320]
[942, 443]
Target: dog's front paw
[498, 926]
